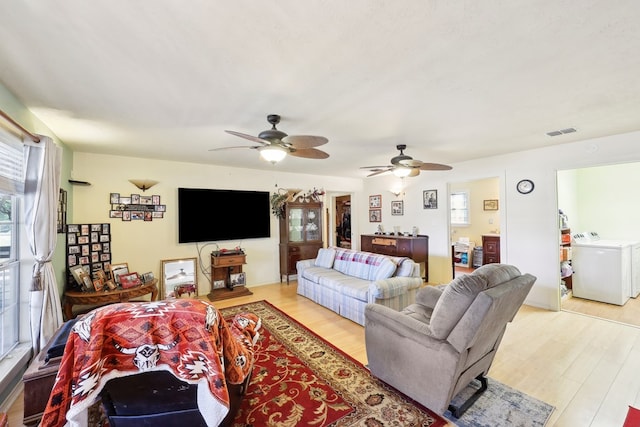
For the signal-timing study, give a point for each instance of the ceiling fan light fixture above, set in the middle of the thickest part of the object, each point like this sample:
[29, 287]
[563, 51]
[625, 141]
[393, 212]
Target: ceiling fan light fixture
[401, 171]
[272, 153]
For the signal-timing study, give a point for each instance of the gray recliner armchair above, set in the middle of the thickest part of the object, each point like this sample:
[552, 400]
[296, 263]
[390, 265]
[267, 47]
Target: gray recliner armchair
[435, 347]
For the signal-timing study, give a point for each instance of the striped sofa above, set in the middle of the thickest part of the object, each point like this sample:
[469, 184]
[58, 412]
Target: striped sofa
[345, 281]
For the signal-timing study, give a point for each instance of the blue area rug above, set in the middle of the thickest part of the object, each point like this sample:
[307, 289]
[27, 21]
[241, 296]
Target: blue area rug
[501, 406]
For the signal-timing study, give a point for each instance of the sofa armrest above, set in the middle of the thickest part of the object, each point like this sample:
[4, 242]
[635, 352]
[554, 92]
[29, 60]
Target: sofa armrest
[429, 296]
[302, 264]
[392, 287]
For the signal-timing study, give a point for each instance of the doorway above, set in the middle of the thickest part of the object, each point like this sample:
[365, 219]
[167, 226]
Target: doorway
[600, 199]
[474, 213]
[343, 222]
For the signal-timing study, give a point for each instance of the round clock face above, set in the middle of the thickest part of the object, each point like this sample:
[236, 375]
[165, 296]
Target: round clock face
[525, 186]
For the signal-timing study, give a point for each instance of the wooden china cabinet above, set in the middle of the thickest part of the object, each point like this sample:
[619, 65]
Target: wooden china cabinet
[300, 235]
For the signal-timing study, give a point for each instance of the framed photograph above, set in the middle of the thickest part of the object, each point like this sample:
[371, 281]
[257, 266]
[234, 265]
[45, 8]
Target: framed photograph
[237, 279]
[110, 284]
[397, 207]
[218, 284]
[135, 199]
[146, 200]
[430, 199]
[73, 228]
[77, 272]
[129, 280]
[490, 205]
[98, 285]
[178, 272]
[115, 214]
[375, 215]
[100, 274]
[87, 282]
[375, 201]
[147, 277]
[114, 198]
[155, 199]
[117, 269]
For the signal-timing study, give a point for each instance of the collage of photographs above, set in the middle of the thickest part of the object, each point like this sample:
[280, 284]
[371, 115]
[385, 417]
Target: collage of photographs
[135, 207]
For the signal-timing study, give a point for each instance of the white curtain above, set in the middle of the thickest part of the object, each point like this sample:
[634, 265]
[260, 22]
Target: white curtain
[42, 184]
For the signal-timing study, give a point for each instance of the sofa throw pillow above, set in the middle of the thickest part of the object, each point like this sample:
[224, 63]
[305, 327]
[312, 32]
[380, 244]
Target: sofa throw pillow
[405, 267]
[325, 257]
[454, 302]
[384, 269]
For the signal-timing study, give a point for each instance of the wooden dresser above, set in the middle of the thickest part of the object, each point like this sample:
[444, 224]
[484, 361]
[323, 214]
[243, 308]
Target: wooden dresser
[416, 248]
[490, 249]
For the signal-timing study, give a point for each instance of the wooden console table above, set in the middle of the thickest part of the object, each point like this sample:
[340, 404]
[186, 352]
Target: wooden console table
[416, 248]
[222, 266]
[72, 298]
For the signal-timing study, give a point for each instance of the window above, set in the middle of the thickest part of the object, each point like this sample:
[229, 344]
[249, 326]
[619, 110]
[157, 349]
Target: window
[460, 208]
[11, 188]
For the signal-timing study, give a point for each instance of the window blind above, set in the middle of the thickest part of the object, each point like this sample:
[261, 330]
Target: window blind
[11, 164]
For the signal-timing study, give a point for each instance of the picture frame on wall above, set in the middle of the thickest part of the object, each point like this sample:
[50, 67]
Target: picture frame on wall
[397, 207]
[375, 215]
[375, 202]
[490, 205]
[430, 199]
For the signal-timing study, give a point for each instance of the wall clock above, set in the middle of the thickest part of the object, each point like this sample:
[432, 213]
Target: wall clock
[525, 186]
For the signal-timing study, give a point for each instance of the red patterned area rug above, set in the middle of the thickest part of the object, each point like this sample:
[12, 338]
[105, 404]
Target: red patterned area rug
[299, 379]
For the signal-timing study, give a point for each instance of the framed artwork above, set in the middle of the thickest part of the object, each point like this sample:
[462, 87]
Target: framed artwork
[147, 277]
[237, 279]
[375, 202]
[129, 280]
[218, 284]
[397, 207]
[117, 269]
[430, 199]
[178, 272]
[98, 284]
[375, 215]
[77, 272]
[135, 207]
[62, 211]
[490, 205]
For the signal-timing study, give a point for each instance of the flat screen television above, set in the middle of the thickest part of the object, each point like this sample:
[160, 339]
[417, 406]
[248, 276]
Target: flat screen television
[209, 215]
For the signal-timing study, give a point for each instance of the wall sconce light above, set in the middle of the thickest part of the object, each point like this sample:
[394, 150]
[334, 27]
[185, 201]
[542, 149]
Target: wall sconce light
[397, 191]
[143, 184]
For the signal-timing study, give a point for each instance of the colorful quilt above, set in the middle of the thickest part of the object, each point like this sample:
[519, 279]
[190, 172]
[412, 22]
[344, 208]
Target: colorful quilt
[187, 337]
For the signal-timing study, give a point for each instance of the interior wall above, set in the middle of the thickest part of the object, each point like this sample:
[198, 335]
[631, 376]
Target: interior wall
[604, 200]
[528, 223]
[143, 245]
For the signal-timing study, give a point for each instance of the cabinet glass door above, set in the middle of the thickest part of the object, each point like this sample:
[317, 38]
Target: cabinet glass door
[296, 223]
[313, 226]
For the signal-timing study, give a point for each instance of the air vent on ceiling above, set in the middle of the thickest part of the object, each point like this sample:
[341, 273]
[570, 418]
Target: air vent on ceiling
[561, 131]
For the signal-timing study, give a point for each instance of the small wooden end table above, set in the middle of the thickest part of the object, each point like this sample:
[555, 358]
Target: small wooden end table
[72, 298]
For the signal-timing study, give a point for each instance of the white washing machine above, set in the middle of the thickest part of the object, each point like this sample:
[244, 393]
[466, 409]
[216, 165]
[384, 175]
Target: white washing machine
[603, 269]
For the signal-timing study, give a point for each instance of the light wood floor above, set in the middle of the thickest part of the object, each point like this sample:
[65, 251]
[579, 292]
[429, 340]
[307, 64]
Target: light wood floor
[586, 367]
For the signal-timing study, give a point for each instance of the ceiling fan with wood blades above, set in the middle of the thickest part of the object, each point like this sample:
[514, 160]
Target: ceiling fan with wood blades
[274, 144]
[403, 165]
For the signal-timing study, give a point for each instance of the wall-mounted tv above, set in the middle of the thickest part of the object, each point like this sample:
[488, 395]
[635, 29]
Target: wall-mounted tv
[209, 215]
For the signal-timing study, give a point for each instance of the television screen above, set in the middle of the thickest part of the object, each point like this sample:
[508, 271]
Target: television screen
[208, 215]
